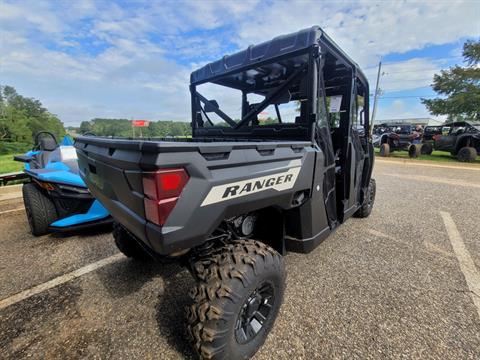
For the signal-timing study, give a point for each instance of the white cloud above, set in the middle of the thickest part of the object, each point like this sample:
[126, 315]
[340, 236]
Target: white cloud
[405, 75]
[34, 13]
[401, 109]
[88, 59]
[368, 30]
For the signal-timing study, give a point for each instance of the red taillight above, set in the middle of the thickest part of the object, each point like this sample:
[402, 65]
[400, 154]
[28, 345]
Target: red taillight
[162, 189]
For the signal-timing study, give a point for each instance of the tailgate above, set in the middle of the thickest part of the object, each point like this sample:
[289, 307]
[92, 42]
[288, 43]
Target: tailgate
[112, 172]
[114, 169]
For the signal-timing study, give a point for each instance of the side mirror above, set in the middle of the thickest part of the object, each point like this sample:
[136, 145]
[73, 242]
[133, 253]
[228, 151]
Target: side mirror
[211, 106]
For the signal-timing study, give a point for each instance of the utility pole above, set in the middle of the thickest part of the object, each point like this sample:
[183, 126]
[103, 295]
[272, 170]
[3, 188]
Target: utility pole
[375, 99]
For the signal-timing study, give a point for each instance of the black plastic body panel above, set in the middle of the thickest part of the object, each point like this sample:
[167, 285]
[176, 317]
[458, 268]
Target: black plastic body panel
[112, 169]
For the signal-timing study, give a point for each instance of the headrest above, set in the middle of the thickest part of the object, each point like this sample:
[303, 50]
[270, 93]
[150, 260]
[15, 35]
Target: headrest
[47, 144]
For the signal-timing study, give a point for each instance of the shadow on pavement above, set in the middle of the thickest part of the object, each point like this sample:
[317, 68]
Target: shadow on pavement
[84, 232]
[170, 312]
[127, 277]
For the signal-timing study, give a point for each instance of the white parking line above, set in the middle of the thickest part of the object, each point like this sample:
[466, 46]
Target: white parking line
[470, 272]
[59, 280]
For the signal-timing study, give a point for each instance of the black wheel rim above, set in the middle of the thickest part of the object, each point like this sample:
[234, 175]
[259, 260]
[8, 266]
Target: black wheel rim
[254, 313]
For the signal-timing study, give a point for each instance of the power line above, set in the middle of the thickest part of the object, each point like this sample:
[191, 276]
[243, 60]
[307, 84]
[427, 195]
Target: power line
[400, 61]
[406, 96]
[401, 81]
[408, 71]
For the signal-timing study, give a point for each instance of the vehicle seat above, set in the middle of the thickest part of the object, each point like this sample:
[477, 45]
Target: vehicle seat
[46, 146]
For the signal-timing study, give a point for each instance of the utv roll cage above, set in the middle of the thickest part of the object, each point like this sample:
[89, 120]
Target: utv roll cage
[305, 67]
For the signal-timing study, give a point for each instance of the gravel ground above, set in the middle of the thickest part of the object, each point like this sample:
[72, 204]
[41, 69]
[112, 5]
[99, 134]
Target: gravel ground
[389, 286]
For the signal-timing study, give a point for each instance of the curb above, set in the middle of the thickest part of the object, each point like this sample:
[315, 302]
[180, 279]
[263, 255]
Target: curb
[426, 163]
[12, 211]
[9, 189]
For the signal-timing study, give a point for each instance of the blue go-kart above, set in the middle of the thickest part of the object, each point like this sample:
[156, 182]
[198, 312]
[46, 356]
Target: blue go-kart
[56, 198]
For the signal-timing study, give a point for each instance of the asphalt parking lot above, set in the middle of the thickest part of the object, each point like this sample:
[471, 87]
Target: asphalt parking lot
[403, 283]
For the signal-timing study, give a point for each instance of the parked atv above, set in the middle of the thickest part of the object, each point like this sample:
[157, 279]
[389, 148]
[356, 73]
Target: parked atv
[401, 137]
[461, 139]
[429, 132]
[56, 198]
[231, 200]
[378, 131]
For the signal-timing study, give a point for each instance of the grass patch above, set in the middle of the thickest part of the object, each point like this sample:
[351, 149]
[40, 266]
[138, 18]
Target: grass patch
[440, 156]
[8, 165]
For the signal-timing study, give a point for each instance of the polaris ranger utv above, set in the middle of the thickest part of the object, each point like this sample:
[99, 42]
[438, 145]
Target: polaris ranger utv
[231, 200]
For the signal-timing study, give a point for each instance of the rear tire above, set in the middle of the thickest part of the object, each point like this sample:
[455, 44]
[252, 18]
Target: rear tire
[128, 245]
[414, 150]
[384, 150]
[467, 154]
[427, 149]
[367, 206]
[41, 211]
[236, 300]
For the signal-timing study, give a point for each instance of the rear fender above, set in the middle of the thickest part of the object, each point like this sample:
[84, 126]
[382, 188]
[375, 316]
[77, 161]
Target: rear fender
[462, 141]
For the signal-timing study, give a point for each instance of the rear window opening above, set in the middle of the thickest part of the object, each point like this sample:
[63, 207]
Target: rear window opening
[267, 101]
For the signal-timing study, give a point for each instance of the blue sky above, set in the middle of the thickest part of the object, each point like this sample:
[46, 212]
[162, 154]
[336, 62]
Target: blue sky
[132, 59]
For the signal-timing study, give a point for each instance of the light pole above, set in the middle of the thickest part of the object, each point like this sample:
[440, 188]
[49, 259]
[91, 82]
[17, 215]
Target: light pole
[375, 99]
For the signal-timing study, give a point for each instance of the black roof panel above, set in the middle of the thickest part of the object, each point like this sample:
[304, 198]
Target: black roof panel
[279, 46]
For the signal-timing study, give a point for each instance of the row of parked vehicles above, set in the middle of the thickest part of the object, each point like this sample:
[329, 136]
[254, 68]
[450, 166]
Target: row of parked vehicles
[461, 139]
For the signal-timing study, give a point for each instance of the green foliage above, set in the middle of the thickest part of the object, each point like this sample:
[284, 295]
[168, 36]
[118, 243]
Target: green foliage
[107, 127]
[269, 121]
[169, 128]
[438, 156]
[123, 128]
[10, 147]
[8, 165]
[459, 86]
[471, 52]
[21, 118]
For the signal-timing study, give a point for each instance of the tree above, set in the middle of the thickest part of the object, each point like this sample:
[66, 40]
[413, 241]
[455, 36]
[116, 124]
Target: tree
[459, 86]
[21, 118]
[86, 127]
[123, 128]
[14, 126]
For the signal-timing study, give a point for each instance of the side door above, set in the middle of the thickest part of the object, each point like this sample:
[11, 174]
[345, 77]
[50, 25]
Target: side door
[355, 153]
[447, 140]
[348, 132]
[327, 164]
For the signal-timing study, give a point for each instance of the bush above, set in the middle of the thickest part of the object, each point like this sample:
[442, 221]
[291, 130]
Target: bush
[14, 147]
